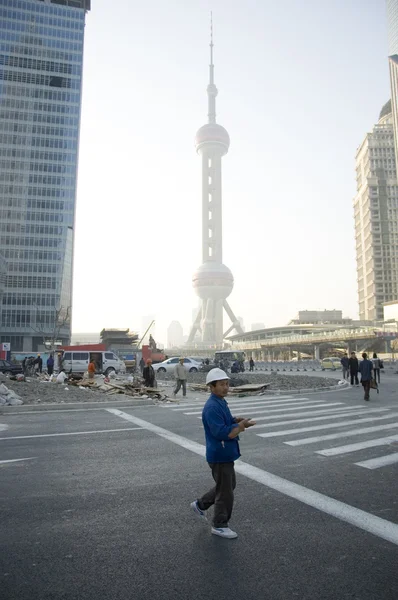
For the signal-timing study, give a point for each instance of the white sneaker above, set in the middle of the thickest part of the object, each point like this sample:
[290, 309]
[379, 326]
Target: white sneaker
[224, 532]
[200, 513]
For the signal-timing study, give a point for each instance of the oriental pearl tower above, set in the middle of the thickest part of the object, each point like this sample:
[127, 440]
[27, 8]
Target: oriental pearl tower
[212, 281]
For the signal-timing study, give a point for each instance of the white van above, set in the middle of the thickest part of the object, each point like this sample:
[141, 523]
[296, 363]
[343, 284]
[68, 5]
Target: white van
[77, 362]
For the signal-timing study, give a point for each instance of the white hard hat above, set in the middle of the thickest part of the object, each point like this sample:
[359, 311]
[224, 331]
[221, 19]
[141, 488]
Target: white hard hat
[216, 375]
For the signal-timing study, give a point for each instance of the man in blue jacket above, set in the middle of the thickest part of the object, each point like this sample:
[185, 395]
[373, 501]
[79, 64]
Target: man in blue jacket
[222, 449]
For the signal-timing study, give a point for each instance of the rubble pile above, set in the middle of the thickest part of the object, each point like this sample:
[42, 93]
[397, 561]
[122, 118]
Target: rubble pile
[9, 397]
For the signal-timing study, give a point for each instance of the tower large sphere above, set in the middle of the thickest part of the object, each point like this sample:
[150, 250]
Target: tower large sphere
[212, 134]
[213, 280]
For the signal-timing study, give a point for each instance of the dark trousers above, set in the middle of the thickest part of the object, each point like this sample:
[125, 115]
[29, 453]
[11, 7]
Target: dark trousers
[251, 368]
[222, 494]
[183, 383]
[354, 375]
[50, 370]
[366, 389]
[377, 375]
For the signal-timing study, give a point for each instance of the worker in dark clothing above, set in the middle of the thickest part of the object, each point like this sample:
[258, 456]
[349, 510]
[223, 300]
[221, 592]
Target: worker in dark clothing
[149, 374]
[50, 365]
[222, 449]
[366, 368]
[24, 364]
[142, 365]
[251, 365]
[353, 364]
[39, 362]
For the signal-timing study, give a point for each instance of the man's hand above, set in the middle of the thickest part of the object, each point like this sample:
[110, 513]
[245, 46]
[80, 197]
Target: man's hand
[239, 419]
[248, 423]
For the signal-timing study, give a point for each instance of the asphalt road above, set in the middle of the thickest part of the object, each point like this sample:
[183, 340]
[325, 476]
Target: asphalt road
[98, 507]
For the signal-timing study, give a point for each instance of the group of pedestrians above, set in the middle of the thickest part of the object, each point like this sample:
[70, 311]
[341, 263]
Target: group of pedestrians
[368, 369]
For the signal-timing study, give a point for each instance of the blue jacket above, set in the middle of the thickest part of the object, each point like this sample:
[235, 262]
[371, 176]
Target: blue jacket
[218, 424]
[365, 368]
[344, 362]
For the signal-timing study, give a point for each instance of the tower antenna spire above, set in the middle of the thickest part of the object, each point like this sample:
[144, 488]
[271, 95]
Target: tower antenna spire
[211, 88]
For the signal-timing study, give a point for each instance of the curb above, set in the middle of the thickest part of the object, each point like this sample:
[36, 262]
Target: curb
[329, 388]
[122, 402]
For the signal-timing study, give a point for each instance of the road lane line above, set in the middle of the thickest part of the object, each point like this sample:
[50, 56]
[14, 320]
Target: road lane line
[230, 401]
[2, 462]
[260, 410]
[257, 402]
[350, 412]
[354, 516]
[45, 435]
[336, 436]
[382, 461]
[385, 441]
[319, 411]
[327, 426]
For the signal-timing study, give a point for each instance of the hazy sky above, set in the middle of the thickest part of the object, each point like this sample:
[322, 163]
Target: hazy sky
[300, 84]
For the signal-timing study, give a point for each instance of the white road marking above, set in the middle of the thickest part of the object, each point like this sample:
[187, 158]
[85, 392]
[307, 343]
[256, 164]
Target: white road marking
[230, 401]
[354, 516]
[3, 427]
[327, 426]
[260, 410]
[45, 435]
[319, 411]
[347, 412]
[257, 402]
[382, 461]
[385, 441]
[335, 436]
[2, 462]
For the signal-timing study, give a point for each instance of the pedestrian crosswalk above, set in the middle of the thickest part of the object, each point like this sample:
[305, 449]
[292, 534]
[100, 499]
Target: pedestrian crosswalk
[288, 419]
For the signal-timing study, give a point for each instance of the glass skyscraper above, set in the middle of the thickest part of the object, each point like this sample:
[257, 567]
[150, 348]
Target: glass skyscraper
[41, 59]
[392, 26]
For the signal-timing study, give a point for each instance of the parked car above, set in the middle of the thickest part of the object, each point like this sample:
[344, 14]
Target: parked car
[8, 367]
[168, 366]
[331, 363]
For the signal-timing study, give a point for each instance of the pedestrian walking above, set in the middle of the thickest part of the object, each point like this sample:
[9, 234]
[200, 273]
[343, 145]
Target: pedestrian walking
[251, 365]
[345, 365]
[142, 364]
[222, 449]
[377, 364]
[50, 365]
[91, 369]
[353, 364]
[24, 365]
[148, 374]
[180, 374]
[366, 368]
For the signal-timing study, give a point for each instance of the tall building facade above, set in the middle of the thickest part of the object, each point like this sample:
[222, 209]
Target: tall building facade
[392, 33]
[175, 335]
[376, 219]
[41, 60]
[392, 26]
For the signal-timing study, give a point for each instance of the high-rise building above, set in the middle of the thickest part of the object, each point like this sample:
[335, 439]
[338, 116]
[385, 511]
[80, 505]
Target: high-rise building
[175, 335]
[257, 326]
[41, 60]
[376, 219]
[392, 26]
[392, 32]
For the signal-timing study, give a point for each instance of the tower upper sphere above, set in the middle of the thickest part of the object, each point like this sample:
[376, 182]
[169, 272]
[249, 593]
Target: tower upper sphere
[212, 134]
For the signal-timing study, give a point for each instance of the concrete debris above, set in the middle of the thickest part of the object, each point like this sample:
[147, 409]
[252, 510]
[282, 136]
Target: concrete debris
[9, 397]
